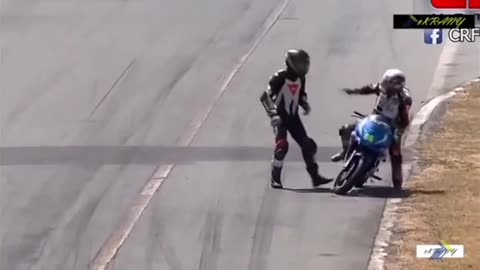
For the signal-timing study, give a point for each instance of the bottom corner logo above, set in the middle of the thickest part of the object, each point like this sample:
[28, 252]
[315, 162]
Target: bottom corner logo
[441, 251]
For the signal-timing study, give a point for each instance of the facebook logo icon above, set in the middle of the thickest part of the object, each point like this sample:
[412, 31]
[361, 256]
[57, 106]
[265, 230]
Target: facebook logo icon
[433, 36]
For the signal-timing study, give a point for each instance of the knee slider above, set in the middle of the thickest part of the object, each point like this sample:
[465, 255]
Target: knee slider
[281, 149]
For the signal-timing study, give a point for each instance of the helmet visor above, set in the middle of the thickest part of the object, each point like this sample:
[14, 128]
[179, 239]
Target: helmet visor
[301, 67]
[394, 85]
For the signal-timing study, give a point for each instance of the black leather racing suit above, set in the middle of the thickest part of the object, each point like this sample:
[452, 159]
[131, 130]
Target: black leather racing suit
[285, 93]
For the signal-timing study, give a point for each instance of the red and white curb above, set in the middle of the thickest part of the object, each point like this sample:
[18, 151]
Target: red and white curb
[390, 215]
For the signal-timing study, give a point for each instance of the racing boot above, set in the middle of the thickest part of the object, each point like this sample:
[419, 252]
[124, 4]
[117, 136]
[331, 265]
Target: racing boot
[316, 178]
[396, 161]
[344, 133]
[276, 181]
[339, 156]
[397, 176]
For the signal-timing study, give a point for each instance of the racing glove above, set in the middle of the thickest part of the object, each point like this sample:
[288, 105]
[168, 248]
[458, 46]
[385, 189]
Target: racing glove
[306, 108]
[348, 91]
[275, 120]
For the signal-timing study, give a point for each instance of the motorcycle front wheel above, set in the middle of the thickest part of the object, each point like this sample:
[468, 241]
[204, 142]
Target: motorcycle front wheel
[360, 184]
[348, 176]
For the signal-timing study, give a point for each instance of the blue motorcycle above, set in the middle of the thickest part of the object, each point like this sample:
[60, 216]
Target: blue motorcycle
[372, 138]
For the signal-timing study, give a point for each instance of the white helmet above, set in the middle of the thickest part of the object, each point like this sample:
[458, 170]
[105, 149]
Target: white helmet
[393, 81]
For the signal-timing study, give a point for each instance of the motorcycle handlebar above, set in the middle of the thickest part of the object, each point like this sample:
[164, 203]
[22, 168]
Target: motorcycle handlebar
[358, 114]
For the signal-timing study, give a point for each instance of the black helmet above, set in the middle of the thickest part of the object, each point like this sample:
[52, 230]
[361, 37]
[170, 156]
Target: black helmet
[298, 61]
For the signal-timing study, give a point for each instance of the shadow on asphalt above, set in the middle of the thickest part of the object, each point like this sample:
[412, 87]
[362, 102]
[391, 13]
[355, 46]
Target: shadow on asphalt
[309, 190]
[154, 155]
[389, 192]
[386, 192]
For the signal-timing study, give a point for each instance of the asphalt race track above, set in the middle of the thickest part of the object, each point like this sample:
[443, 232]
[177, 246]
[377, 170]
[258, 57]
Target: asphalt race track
[96, 94]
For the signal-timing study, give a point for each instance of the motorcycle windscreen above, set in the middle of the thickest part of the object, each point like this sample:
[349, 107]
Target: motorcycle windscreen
[374, 134]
